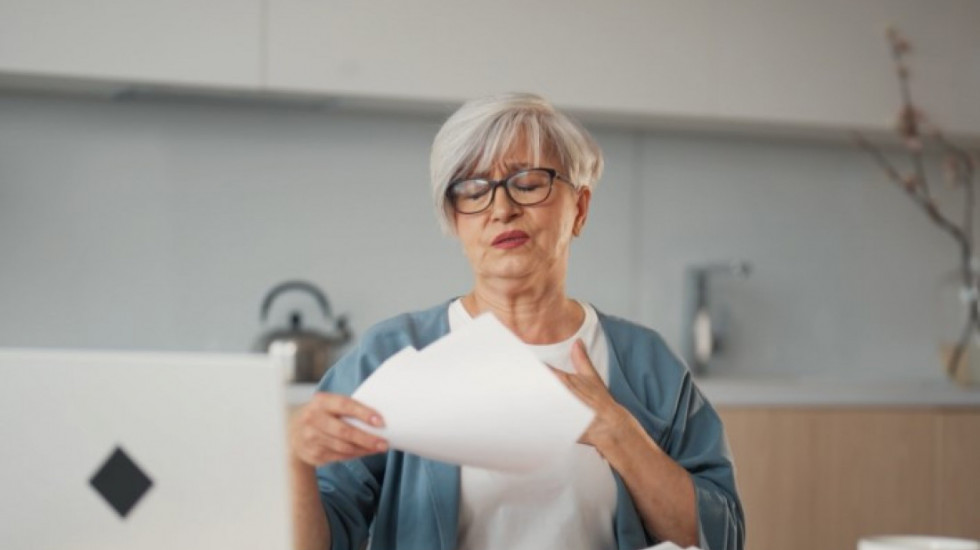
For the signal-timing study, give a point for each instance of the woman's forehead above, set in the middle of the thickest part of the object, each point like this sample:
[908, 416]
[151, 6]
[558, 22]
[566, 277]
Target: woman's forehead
[519, 154]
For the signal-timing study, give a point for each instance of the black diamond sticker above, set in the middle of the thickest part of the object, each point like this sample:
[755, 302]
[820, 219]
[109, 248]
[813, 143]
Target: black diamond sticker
[121, 482]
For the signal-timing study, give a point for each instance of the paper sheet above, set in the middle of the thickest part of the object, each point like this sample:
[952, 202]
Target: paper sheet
[476, 397]
[670, 546]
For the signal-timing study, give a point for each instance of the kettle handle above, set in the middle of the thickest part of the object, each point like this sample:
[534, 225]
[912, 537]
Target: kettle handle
[295, 285]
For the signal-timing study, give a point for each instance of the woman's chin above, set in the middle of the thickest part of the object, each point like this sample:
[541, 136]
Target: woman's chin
[512, 271]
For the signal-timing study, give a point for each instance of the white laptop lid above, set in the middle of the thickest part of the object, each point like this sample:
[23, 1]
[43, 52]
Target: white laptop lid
[207, 433]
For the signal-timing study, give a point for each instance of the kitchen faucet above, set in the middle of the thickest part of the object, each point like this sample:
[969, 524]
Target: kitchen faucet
[704, 336]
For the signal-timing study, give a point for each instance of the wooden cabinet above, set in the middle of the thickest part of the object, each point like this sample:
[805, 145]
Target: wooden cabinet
[821, 478]
[176, 42]
[958, 474]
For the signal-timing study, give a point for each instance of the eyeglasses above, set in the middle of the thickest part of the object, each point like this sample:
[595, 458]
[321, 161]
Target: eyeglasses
[526, 188]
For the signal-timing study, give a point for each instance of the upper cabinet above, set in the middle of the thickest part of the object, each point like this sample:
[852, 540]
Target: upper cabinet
[173, 42]
[623, 56]
[795, 66]
[828, 63]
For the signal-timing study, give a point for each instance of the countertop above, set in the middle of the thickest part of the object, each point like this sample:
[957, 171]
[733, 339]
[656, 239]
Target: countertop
[822, 391]
[804, 391]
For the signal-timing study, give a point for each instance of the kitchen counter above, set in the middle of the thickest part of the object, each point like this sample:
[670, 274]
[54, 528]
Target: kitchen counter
[821, 391]
[803, 391]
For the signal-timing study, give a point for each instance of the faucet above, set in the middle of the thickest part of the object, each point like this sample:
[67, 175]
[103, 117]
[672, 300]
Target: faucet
[703, 335]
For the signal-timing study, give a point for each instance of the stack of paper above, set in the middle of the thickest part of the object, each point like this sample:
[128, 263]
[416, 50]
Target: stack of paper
[476, 397]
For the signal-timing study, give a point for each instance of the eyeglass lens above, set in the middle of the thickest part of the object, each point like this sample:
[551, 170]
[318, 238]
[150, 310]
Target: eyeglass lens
[525, 188]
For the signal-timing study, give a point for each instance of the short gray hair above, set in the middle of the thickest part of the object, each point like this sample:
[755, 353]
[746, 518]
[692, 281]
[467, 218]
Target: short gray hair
[478, 134]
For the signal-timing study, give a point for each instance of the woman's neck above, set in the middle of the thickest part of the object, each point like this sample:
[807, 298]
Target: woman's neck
[537, 315]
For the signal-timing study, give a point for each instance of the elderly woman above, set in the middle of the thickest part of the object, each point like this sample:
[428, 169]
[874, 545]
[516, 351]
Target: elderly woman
[512, 178]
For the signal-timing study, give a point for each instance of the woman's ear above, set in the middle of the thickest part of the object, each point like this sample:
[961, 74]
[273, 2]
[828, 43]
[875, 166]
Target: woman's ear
[582, 210]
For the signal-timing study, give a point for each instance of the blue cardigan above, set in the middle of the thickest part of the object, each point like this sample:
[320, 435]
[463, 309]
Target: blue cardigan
[406, 502]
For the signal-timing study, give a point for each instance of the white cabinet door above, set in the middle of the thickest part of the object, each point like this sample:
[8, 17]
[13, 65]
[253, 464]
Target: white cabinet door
[625, 56]
[182, 42]
[796, 64]
[828, 63]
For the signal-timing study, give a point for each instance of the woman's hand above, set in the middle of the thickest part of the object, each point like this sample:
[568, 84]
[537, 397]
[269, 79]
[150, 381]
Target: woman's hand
[318, 434]
[662, 490]
[612, 421]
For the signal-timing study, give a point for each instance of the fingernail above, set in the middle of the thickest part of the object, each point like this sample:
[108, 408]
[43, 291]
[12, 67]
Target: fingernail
[376, 420]
[381, 446]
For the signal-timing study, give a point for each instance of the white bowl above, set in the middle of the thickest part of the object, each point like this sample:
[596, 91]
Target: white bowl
[916, 542]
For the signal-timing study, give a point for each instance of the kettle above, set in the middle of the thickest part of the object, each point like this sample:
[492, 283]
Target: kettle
[308, 353]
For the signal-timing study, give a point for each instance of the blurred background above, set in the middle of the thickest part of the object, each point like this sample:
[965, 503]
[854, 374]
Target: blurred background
[163, 165]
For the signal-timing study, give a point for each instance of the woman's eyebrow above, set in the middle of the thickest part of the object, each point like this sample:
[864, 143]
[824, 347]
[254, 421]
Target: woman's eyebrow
[517, 166]
[510, 166]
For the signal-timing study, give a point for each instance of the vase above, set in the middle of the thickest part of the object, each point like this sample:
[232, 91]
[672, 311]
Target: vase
[967, 373]
[956, 300]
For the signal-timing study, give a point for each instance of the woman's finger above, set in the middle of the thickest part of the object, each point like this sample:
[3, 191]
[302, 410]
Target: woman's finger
[569, 380]
[319, 433]
[337, 429]
[326, 425]
[581, 362]
[315, 448]
[341, 405]
[577, 386]
[562, 375]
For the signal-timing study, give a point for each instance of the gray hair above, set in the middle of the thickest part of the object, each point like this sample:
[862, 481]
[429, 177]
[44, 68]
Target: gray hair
[477, 135]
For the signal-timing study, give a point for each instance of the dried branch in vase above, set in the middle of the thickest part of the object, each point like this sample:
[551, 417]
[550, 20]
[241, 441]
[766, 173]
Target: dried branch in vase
[920, 136]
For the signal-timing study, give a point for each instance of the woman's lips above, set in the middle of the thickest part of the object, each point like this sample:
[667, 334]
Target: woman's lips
[510, 239]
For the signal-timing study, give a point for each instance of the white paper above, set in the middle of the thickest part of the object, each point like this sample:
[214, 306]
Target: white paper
[476, 397]
[670, 546]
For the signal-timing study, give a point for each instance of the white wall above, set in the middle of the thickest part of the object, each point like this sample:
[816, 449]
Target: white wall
[161, 226]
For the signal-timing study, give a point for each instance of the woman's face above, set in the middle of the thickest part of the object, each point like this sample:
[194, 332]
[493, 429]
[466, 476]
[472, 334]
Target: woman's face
[510, 241]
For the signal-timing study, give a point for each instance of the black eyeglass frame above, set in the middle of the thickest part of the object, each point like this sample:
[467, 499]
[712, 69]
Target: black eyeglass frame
[494, 184]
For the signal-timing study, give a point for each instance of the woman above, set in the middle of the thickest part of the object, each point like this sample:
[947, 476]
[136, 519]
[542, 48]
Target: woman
[512, 178]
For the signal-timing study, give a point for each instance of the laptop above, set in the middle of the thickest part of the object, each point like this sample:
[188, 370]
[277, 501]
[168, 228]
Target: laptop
[142, 451]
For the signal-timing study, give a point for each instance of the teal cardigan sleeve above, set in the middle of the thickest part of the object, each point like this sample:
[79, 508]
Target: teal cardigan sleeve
[658, 389]
[352, 491]
[349, 490]
[700, 446]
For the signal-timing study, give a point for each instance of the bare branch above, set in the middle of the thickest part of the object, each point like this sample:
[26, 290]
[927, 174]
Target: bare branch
[914, 128]
[912, 191]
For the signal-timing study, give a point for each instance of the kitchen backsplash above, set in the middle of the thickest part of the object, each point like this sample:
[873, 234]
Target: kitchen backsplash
[160, 226]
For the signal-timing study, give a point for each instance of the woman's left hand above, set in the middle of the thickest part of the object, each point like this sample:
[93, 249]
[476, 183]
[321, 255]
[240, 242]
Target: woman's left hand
[612, 421]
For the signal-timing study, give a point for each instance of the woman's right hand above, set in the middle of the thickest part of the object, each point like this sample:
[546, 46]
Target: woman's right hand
[318, 434]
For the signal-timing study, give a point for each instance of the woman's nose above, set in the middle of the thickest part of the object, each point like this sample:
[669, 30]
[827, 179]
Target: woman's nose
[502, 206]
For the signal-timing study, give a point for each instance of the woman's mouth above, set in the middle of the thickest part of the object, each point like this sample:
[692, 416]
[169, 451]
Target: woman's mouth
[510, 239]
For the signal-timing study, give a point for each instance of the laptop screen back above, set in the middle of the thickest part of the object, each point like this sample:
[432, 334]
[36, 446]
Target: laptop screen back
[142, 451]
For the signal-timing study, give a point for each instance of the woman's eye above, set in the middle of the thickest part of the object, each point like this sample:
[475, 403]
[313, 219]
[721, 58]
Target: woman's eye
[476, 192]
[528, 187]
[471, 189]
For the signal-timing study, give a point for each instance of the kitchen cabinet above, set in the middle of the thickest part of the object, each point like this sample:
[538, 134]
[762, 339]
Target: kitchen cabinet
[820, 478]
[760, 65]
[755, 67]
[828, 63]
[957, 478]
[627, 56]
[177, 42]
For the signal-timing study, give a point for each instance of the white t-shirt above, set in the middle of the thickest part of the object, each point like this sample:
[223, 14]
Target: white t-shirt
[568, 505]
